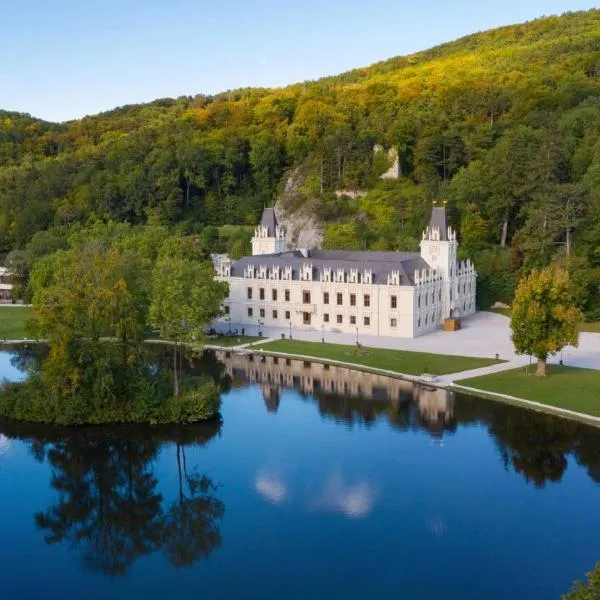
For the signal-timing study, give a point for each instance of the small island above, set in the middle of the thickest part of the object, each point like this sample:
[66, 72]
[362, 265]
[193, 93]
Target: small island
[95, 303]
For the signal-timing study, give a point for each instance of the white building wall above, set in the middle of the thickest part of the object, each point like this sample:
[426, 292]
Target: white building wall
[379, 318]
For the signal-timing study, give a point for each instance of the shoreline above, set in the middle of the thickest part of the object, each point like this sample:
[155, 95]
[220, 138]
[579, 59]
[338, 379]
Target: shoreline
[450, 381]
[437, 382]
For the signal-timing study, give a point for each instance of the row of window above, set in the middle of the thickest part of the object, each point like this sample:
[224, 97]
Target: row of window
[306, 297]
[262, 313]
[275, 315]
[261, 294]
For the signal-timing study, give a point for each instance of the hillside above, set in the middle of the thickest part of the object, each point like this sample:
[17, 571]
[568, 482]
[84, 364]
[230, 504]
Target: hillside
[503, 124]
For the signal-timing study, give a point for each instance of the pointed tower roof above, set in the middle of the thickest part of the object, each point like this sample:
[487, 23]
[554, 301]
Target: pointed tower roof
[438, 221]
[269, 220]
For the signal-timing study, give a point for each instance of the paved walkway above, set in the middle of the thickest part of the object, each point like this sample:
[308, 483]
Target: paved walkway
[484, 334]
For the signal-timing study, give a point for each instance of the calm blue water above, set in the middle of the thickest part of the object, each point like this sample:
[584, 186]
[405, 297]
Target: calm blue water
[382, 491]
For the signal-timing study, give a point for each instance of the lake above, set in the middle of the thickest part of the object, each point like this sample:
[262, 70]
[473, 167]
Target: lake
[315, 483]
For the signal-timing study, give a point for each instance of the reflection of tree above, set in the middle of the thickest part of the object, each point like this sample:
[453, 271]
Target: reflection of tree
[109, 507]
[191, 522]
[27, 358]
[535, 445]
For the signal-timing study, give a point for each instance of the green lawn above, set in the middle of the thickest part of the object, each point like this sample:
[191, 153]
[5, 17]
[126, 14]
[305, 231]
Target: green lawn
[565, 387]
[232, 340]
[410, 363]
[12, 321]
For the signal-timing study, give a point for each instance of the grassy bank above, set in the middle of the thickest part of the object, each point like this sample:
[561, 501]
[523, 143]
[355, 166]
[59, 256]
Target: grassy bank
[12, 321]
[400, 361]
[564, 387]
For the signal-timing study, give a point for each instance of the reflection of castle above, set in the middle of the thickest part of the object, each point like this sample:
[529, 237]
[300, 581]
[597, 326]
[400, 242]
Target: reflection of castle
[272, 373]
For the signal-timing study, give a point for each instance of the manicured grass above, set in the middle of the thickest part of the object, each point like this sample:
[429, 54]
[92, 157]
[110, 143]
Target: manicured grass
[400, 361]
[232, 340]
[565, 387]
[12, 321]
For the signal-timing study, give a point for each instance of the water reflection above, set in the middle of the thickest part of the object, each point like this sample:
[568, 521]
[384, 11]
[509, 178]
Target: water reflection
[532, 444]
[353, 499]
[108, 506]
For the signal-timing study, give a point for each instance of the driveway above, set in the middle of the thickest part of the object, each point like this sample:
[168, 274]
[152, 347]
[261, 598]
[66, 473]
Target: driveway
[484, 334]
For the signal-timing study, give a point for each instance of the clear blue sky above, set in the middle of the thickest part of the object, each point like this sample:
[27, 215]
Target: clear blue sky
[63, 59]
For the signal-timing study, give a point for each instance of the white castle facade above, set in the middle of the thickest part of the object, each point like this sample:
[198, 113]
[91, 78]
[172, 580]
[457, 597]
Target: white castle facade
[398, 294]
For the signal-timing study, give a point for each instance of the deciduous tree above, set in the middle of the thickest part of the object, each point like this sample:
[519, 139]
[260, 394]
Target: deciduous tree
[544, 317]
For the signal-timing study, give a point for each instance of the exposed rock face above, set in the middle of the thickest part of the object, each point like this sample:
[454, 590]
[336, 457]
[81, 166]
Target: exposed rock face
[296, 214]
[302, 228]
[350, 193]
[392, 155]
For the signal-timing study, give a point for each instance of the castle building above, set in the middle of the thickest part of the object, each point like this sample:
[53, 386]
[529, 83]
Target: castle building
[398, 294]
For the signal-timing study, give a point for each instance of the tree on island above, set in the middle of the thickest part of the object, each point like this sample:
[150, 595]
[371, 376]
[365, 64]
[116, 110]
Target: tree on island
[185, 299]
[544, 317]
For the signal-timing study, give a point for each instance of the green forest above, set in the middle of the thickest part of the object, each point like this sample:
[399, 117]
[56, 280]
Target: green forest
[501, 125]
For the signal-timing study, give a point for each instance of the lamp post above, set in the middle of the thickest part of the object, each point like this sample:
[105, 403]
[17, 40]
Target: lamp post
[290, 329]
[357, 335]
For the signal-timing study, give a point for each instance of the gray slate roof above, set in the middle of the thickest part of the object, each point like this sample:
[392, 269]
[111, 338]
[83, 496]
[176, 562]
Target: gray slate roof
[380, 263]
[438, 221]
[269, 220]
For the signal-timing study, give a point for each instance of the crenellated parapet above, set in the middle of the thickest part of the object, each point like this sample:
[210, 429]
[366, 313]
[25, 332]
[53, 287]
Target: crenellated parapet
[263, 231]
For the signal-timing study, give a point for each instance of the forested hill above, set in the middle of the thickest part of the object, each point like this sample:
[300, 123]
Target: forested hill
[503, 124]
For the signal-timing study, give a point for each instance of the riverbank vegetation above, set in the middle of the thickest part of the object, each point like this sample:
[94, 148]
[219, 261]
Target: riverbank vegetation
[399, 361]
[94, 302]
[564, 387]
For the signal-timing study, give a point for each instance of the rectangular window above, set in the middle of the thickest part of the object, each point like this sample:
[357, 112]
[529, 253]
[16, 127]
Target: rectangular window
[287, 295]
[394, 301]
[352, 299]
[227, 310]
[339, 318]
[340, 299]
[306, 297]
[326, 318]
[367, 321]
[287, 314]
[367, 300]
[262, 312]
[249, 295]
[325, 297]
[393, 322]
[249, 312]
[261, 293]
[274, 314]
[352, 320]
[274, 295]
